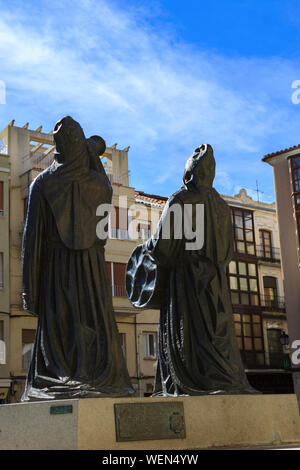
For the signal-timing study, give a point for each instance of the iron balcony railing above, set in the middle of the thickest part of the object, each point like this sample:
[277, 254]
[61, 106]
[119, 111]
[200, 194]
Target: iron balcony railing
[263, 360]
[268, 253]
[144, 234]
[268, 302]
[119, 291]
[272, 302]
[119, 233]
[123, 234]
[276, 360]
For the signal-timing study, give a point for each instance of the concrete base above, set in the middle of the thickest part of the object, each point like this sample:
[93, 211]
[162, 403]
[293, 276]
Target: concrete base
[210, 421]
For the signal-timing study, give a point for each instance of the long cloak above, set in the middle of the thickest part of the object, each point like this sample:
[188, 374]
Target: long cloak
[198, 351]
[77, 351]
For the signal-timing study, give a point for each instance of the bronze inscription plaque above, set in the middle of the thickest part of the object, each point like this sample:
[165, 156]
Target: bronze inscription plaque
[143, 421]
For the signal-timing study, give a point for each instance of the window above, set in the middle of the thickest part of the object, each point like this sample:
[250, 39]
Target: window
[265, 243]
[248, 329]
[123, 343]
[28, 337]
[243, 283]
[295, 173]
[119, 223]
[1, 198]
[144, 230]
[116, 275]
[3, 147]
[1, 271]
[149, 345]
[243, 231]
[270, 291]
[2, 344]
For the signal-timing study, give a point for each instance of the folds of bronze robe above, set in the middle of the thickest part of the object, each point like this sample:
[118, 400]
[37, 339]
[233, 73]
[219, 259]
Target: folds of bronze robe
[77, 351]
[198, 352]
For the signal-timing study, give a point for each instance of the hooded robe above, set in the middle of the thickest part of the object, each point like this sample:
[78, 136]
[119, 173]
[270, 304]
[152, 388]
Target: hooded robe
[198, 352]
[77, 351]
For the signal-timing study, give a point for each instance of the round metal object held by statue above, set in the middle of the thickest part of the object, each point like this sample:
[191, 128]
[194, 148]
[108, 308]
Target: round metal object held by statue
[144, 280]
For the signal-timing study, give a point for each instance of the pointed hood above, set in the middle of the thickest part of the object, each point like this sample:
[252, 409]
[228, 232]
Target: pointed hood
[199, 172]
[75, 184]
[197, 188]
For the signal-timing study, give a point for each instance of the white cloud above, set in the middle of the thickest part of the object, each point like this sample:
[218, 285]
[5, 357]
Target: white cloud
[160, 96]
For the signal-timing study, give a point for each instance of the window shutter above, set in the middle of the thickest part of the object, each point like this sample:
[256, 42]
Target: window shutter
[28, 336]
[123, 218]
[119, 218]
[114, 217]
[119, 274]
[119, 279]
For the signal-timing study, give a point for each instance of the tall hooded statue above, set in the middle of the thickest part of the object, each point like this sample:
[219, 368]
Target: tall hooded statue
[198, 352]
[77, 351]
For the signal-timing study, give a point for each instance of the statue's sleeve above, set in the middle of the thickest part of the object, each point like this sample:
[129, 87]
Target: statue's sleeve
[32, 246]
[166, 244]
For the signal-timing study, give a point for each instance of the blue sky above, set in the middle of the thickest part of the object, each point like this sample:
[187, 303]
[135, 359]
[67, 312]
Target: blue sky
[162, 77]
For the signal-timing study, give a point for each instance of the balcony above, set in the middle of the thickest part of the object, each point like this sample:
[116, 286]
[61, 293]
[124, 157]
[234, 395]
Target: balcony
[270, 254]
[263, 360]
[272, 303]
[123, 234]
[119, 291]
[119, 234]
[144, 234]
[263, 253]
[254, 301]
[277, 360]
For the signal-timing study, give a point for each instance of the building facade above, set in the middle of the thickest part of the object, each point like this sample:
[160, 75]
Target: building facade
[286, 172]
[257, 295]
[254, 275]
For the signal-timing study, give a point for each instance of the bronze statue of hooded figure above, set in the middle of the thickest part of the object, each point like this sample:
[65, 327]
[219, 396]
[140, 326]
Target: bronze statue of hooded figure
[77, 351]
[198, 352]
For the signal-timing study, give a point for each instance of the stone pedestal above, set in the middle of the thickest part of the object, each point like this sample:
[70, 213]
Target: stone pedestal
[209, 421]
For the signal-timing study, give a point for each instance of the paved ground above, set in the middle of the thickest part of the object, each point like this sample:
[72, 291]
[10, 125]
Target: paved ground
[275, 447]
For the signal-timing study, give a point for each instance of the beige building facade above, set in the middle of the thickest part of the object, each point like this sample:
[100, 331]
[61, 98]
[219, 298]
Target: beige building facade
[286, 172]
[255, 275]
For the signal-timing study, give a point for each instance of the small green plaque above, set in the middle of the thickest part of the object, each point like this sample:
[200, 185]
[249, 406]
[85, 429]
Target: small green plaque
[153, 421]
[61, 409]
